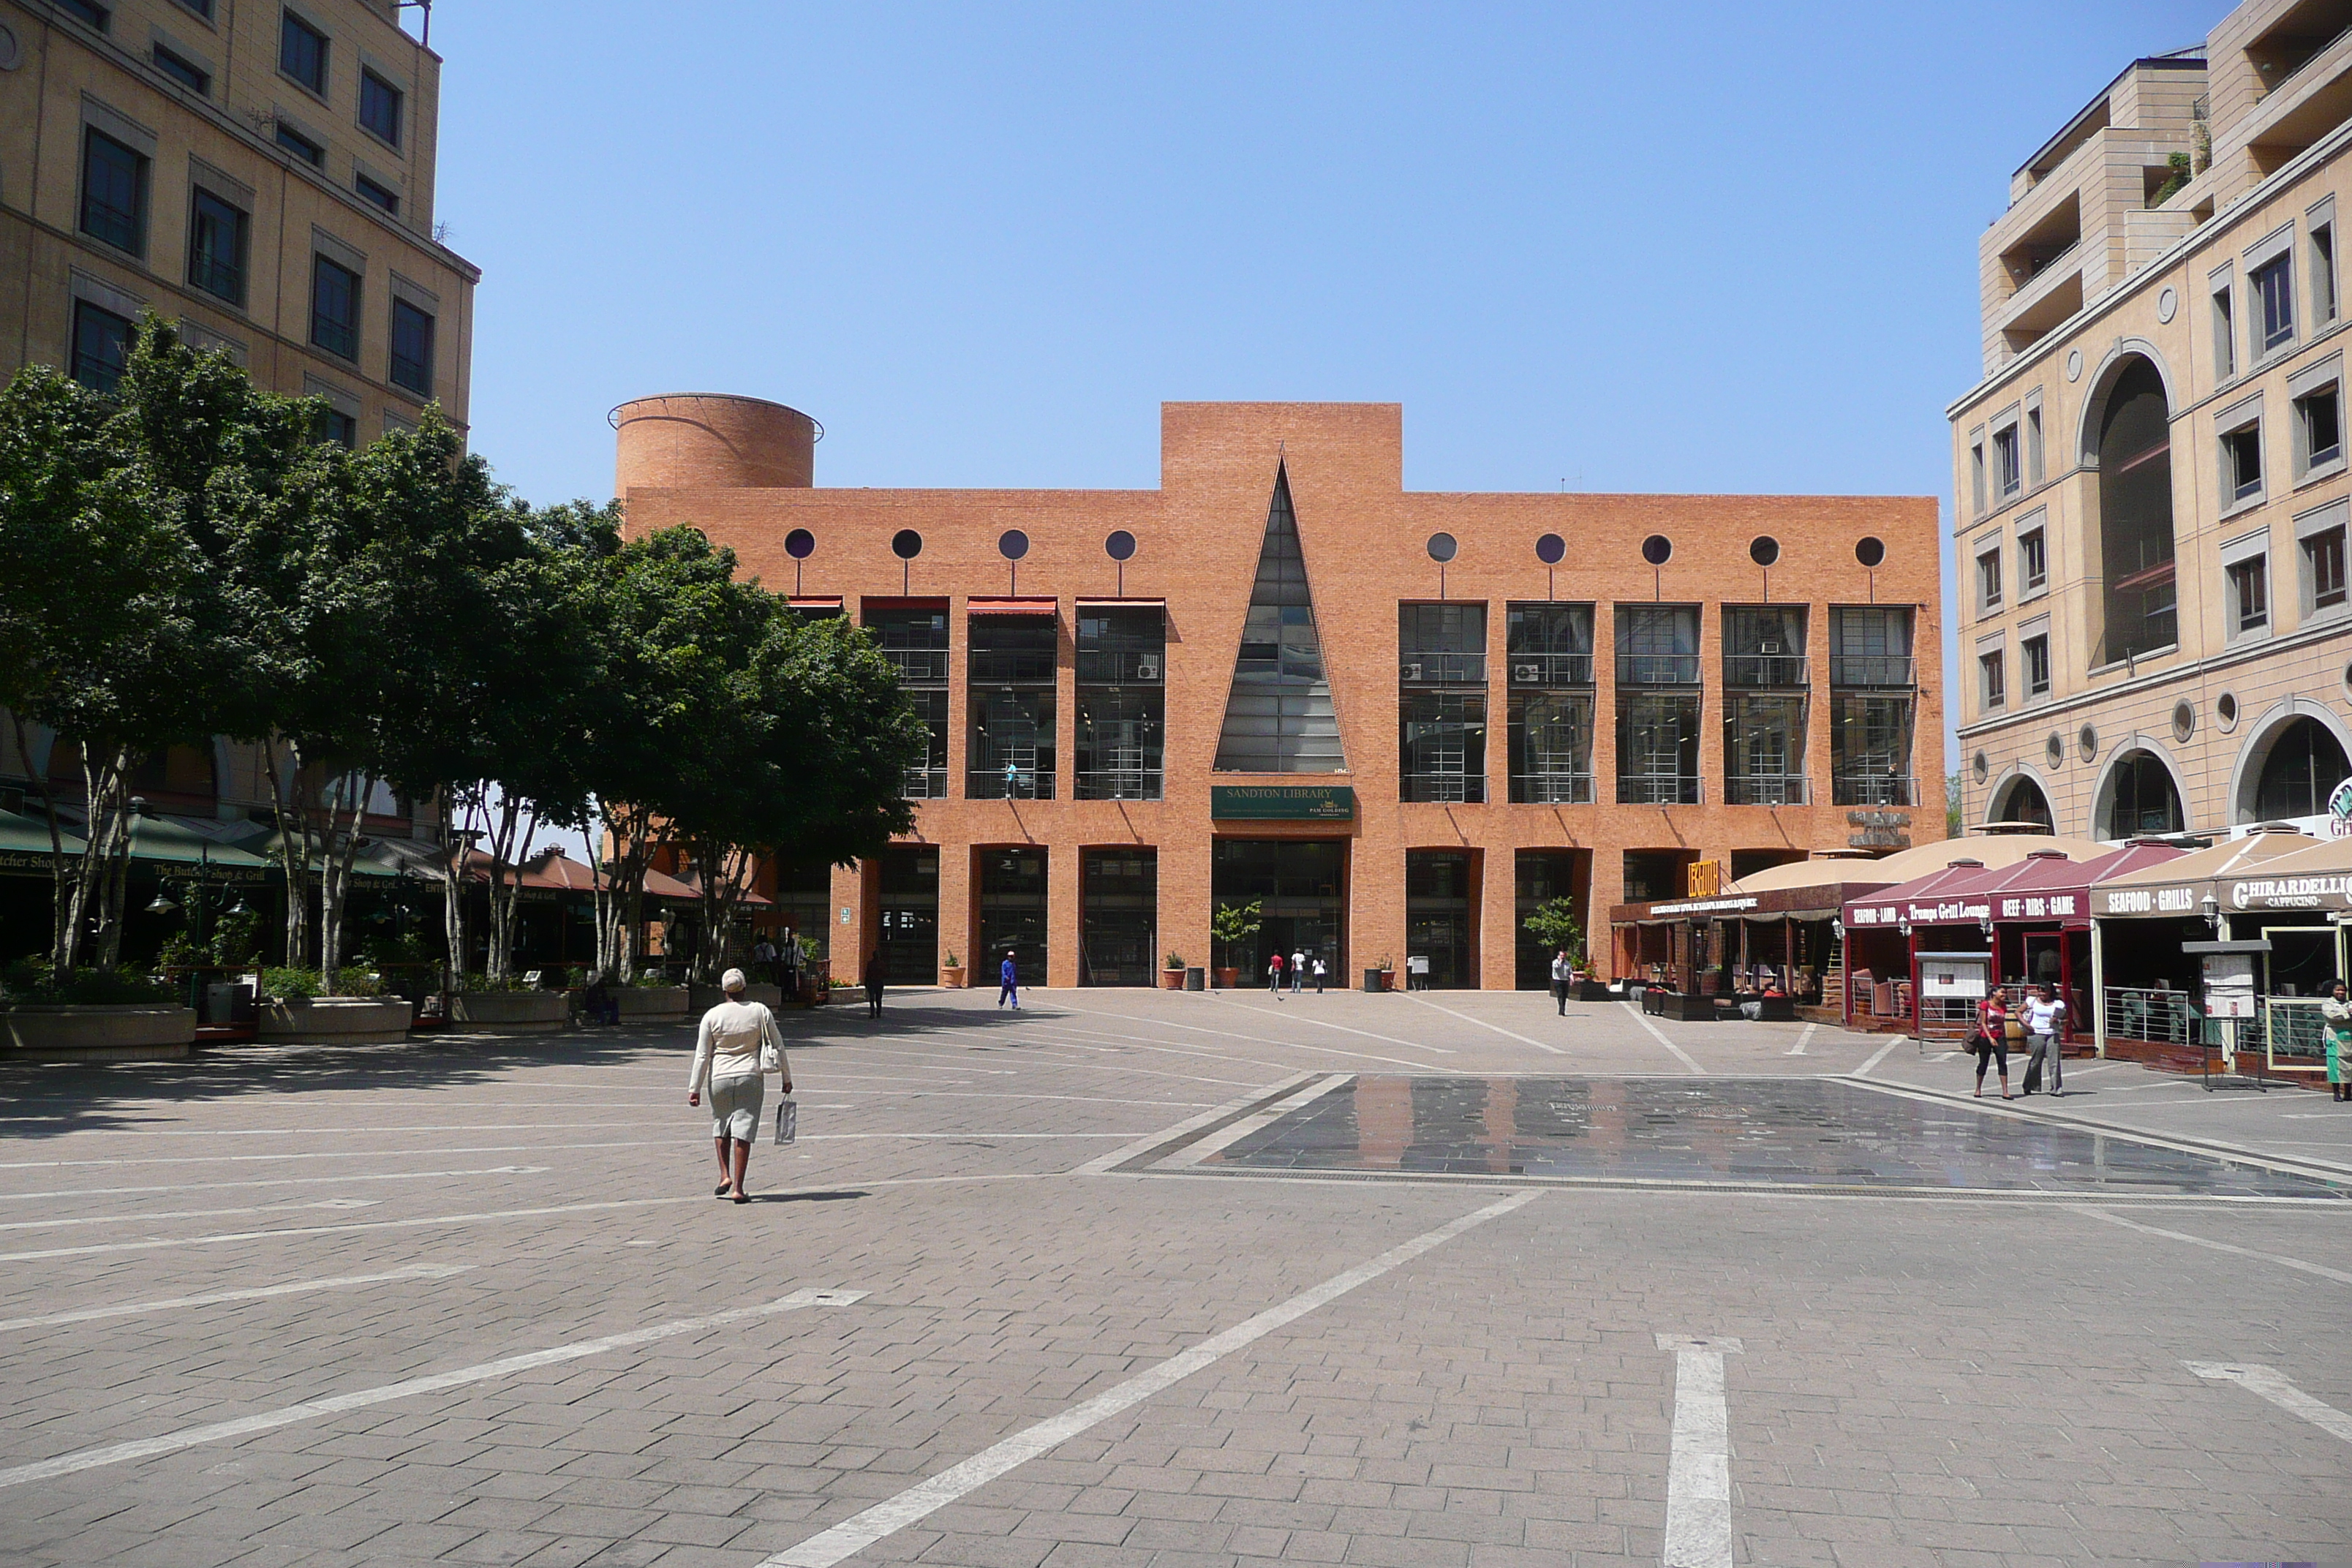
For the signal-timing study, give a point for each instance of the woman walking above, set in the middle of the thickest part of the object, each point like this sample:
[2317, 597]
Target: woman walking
[1991, 1041]
[738, 1042]
[2044, 1018]
[2336, 1028]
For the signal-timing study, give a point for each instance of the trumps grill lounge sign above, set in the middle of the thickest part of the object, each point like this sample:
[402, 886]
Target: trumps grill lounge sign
[1941, 912]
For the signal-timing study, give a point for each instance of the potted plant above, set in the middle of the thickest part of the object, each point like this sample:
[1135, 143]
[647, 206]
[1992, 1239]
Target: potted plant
[1388, 974]
[350, 1009]
[1232, 924]
[951, 973]
[92, 1014]
[1171, 974]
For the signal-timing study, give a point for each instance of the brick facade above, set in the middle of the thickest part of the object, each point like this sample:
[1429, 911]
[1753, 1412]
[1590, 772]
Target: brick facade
[1365, 539]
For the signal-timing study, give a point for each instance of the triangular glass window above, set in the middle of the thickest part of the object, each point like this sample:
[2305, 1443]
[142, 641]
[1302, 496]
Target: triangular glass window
[1278, 716]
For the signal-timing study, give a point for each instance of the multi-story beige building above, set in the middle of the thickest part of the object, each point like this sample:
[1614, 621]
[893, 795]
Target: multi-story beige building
[258, 171]
[2152, 493]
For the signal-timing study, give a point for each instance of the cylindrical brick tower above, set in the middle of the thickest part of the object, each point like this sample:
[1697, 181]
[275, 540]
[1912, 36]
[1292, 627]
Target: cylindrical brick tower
[694, 440]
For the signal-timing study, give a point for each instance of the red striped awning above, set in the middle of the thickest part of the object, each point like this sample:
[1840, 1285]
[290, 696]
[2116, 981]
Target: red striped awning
[1012, 607]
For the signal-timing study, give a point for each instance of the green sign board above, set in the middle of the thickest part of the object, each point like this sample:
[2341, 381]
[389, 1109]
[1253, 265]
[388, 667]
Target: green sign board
[1282, 803]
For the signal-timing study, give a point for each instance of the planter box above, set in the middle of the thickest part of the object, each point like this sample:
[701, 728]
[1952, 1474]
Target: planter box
[701, 999]
[1228, 979]
[953, 978]
[1171, 980]
[333, 1020]
[1591, 991]
[1688, 1007]
[139, 1032]
[510, 1012]
[650, 1004]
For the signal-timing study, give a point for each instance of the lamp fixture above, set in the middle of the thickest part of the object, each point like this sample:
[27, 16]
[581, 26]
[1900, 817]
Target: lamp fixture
[2210, 908]
[162, 906]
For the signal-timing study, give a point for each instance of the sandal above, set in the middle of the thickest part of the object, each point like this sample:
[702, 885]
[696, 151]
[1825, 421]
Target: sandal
[742, 1197]
[722, 1189]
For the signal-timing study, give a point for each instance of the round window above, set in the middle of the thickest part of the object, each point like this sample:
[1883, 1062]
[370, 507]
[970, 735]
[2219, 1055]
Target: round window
[800, 544]
[905, 545]
[1442, 548]
[2055, 750]
[1764, 550]
[1870, 552]
[2087, 739]
[2225, 708]
[1120, 545]
[2184, 720]
[1657, 550]
[1012, 544]
[1983, 767]
[1550, 548]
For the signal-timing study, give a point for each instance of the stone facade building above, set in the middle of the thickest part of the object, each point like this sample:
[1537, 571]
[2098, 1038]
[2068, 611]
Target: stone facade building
[2152, 490]
[1397, 720]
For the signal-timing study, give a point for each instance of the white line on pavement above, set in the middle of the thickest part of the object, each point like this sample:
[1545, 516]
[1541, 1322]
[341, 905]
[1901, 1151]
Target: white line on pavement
[1098, 1165]
[322, 1154]
[1883, 1052]
[1698, 1469]
[1239, 998]
[310, 1180]
[862, 1530]
[1284, 1045]
[2297, 1264]
[1660, 1035]
[299, 1286]
[1482, 1022]
[1225, 1138]
[360, 1399]
[57, 1221]
[2266, 1381]
[1802, 1041]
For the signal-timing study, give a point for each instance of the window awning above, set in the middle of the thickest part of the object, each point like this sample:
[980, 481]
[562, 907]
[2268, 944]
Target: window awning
[1087, 603]
[815, 602]
[1013, 606]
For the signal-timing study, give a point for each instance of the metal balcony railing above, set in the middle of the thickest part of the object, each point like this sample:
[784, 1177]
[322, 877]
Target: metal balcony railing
[918, 665]
[1768, 789]
[1657, 670]
[1119, 784]
[1768, 670]
[924, 784]
[1548, 670]
[1121, 666]
[1874, 789]
[2163, 1018]
[1552, 788]
[1457, 788]
[1009, 783]
[1657, 789]
[1441, 670]
[1873, 670]
[1014, 666]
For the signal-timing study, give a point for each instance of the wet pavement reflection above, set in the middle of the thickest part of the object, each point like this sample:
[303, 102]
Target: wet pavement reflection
[1779, 1131]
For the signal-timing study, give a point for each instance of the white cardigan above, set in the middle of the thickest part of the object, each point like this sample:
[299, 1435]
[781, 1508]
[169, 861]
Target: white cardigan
[728, 1044]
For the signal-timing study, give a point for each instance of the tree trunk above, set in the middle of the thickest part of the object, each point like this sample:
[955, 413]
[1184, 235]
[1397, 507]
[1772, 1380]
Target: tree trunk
[623, 905]
[61, 924]
[293, 844]
[454, 844]
[510, 844]
[341, 848]
[96, 906]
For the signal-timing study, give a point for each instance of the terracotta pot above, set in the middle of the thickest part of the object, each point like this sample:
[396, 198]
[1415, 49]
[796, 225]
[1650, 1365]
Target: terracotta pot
[953, 978]
[1171, 980]
[1227, 979]
[1388, 979]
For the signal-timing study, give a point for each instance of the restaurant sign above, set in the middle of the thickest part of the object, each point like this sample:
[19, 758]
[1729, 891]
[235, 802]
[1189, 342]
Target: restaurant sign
[2291, 892]
[1703, 906]
[1951, 911]
[1282, 803]
[2041, 907]
[2148, 901]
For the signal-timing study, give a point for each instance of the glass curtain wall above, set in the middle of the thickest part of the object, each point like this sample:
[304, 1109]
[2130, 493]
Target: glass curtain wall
[1119, 910]
[1122, 703]
[1010, 693]
[1765, 685]
[1011, 914]
[915, 640]
[1278, 713]
[1873, 701]
[1657, 704]
[1548, 662]
[1442, 701]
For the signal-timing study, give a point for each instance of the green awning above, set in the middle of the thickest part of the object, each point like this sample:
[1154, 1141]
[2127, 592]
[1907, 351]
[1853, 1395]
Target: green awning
[25, 844]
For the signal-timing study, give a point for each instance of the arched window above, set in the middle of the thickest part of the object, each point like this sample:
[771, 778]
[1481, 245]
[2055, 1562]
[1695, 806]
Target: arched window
[172, 775]
[2141, 798]
[2304, 765]
[2135, 514]
[2021, 800]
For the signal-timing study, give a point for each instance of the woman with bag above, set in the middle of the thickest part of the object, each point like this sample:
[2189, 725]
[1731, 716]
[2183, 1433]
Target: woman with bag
[2336, 1030]
[736, 1044]
[1991, 1041]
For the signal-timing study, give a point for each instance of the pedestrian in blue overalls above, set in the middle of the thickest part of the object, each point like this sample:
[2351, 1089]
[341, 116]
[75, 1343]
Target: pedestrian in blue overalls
[1008, 984]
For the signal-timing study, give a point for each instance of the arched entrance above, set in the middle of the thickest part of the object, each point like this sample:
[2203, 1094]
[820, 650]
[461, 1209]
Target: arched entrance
[2140, 797]
[2303, 766]
[2021, 800]
[2135, 461]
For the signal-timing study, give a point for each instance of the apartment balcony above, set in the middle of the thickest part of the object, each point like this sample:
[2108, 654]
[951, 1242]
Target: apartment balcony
[2036, 310]
[1550, 670]
[1873, 671]
[2306, 92]
[1441, 670]
[1765, 671]
[1657, 670]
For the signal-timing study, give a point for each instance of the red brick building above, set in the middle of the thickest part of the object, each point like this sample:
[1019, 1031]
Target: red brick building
[1395, 720]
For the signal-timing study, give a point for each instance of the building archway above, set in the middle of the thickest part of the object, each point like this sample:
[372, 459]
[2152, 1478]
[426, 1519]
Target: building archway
[2020, 797]
[2127, 439]
[2290, 763]
[2139, 793]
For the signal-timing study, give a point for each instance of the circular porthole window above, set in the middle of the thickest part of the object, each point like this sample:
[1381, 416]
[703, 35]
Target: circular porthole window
[2166, 303]
[1764, 550]
[1442, 548]
[2074, 364]
[800, 544]
[1012, 544]
[2348, 679]
[905, 545]
[2055, 750]
[1657, 550]
[1550, 548]
[1120, 545]
[1983, 767]
[10, 57]
[1870, 552]
[2225, 708]
[2184, 720]
[2087, 741]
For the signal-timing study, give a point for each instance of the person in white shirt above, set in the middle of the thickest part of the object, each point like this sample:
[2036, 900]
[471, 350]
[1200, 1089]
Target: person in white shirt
[737, 1043]
[1562, 971]
[1319, 975]
[2043, 1019]
[1298, 971]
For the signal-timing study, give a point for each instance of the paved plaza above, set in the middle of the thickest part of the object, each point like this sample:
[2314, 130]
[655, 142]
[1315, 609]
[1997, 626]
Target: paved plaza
[1133, 1279]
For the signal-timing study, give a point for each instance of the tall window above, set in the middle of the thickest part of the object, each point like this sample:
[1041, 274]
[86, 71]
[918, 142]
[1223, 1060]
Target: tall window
[2142, 798]
[217, 240]
[113, 192]
[1548, 663]
[1441, 700]
[2032, 561]
[2301, 770]
[1988, 581]
[915, 640]
[1976, 476]
[2007, 467]
[2319, 427]
[1764, 761]
[1869, 646]
[101, 344]
[2322, 274]
[1992, 681]
[2241, 463]
[2033, 461]
[380, 106]
[2135, 541]
[2035, 653]
[2250, 594]
[1122, 703]
[412, 349]
[302, 52]
[1657, 704]
[1011, 700]
[2275, 289]
[334, 307]
[2225, 336]
[2323, 562]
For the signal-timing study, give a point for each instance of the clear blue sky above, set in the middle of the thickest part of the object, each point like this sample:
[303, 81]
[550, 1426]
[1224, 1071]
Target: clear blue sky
[1639, 247]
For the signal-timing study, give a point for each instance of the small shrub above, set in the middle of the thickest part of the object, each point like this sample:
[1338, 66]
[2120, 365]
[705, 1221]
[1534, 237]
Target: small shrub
[476, 981]
[286, 985]
[30, 980]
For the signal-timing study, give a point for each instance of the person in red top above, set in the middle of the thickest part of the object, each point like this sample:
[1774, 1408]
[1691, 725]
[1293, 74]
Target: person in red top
[1274, 975]
[1991, 1041]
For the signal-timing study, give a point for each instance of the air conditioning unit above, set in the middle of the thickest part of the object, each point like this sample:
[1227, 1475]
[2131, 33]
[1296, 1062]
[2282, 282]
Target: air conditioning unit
[1146, 668]
[1527, 674]
[1769, 649]
[1412, 672]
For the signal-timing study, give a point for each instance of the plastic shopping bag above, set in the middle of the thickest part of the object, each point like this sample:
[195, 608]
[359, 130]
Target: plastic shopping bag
[788, 1118]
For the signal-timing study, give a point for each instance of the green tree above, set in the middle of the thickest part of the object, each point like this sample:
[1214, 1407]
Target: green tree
[1554, 923]
[1232, 923]
[1952, 806]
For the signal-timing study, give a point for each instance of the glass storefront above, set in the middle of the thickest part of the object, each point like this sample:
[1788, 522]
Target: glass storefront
[1302, 885]
[909, 885]
[1119, 910]
[1011, 914]
[1441, 918]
